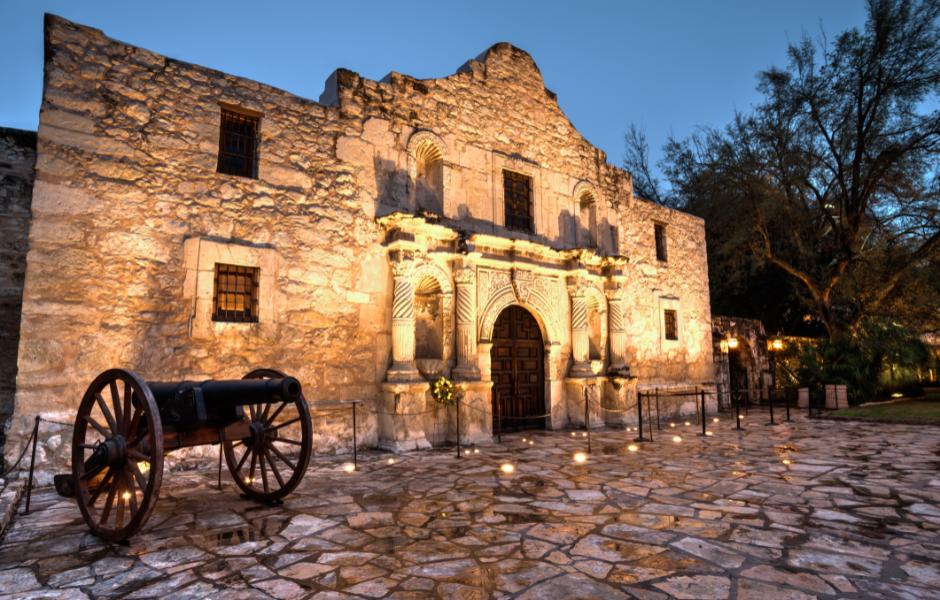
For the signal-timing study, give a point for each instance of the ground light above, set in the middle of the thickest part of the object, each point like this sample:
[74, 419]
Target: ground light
[391, 461]
[349, 467]
[580, 457]
[126, 496]
[708, 433]
[786, 461]
[507, 468]
[633, 447]
[716, 420]
[687, 423]
[676, 439]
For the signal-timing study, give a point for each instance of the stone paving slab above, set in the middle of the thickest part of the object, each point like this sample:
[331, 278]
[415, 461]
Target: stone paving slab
[814, 509]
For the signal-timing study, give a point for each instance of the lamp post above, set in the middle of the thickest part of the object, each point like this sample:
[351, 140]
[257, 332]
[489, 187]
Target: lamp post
[774, 346]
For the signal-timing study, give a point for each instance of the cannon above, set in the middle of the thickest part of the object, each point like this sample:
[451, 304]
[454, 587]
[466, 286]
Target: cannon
[125, 426]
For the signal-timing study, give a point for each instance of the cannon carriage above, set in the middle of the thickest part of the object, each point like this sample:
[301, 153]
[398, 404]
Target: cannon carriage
[125, 426]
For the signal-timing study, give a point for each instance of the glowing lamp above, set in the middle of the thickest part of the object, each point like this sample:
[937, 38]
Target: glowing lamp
[676, 439]
[349, 467]
[580, 457]
[633, 447]
[507, 468]
[732, 343]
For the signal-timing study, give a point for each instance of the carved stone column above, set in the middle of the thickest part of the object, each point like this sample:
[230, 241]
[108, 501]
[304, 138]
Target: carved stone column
[616, 331]
[403, 325]
[465, 279]
[579, 330]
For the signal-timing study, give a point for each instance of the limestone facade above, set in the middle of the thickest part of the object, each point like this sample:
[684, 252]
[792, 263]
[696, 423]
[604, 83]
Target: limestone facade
[377, 224]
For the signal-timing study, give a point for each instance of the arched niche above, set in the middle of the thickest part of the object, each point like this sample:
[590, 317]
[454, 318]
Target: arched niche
[426, 169]
[434, 318]
[596, 306]
[586, 201]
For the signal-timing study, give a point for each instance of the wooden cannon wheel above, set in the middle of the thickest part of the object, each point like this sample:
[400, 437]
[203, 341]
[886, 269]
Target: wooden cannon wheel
[270, 463]
[117, 454]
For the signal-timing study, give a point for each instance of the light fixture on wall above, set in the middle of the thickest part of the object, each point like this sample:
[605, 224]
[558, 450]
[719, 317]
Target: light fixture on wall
[775, 345]
[732, 343]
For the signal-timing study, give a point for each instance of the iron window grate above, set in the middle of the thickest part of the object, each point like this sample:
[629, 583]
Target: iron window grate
[517, 191]
[238, 143]
[671, 324]
[235, 294]
[660, 231]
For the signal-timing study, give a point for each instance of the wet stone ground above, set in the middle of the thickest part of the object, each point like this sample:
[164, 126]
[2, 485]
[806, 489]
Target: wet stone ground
[814, 509]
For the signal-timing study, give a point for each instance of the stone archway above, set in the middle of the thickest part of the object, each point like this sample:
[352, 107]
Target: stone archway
[518, 371]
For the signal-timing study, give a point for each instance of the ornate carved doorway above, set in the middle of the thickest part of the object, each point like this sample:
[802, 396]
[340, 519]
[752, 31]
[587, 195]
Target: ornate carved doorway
[518, 371]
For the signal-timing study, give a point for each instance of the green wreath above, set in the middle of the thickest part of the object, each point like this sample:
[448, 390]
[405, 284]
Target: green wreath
[444, 391]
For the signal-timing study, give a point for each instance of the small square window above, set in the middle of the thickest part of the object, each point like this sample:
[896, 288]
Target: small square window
[517, 193]
[238, 144]
[235, 294]
[660, 231]
[671, 324]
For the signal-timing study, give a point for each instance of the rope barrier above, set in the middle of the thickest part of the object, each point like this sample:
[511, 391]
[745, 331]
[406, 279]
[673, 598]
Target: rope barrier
[23, 453]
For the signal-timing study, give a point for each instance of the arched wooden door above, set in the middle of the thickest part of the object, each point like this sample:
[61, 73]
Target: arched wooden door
[518, 371]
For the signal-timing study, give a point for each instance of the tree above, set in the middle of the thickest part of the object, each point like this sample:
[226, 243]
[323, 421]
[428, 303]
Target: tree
[832, 179]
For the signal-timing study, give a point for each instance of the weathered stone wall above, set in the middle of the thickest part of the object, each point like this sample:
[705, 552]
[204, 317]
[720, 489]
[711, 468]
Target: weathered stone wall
[130, 215]
[127, 174]
[17, 160]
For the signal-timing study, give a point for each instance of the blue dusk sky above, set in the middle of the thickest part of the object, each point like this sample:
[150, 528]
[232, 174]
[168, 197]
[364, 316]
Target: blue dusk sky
[670, 66]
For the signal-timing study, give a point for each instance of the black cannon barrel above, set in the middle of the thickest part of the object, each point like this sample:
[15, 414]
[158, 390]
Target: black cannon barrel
[190, 402]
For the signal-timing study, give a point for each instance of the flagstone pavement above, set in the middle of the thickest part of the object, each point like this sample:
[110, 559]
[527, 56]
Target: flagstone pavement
[810, 509]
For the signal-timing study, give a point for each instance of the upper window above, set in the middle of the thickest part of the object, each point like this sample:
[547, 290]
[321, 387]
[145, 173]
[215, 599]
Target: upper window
[235, 294]
[660, 231]
[238, 144]
[517, 191]
[671, 324]
[588, 219]
[429, 177]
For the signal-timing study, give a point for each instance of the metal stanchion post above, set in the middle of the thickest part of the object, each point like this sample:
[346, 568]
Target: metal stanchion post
[639, 416]
[771, 397]
[221, 442]
[355, 442]
[786, 400]
[587, 416]
[737, 409]
[649, 417]
[458, 426]
[658, 424]
[499, 417]
[32, 464]
[702, 396]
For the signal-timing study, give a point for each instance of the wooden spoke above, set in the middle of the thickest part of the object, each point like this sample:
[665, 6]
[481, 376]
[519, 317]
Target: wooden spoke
[98, 427]
[107, 415]
[284, 424]
[118, 403]
[251, 471]
[128, 407]
[251, 411]
[133, 493]
[135, 470]
[132, 436]
[242, 461]
[108, 503]
[280, 455]
[119, 515]
[287, 441]
[264, 470]
[104, 482]
[274, 416]
[137, 455]
[277, 474]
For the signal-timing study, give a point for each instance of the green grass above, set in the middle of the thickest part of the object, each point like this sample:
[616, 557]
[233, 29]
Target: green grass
[919, 410]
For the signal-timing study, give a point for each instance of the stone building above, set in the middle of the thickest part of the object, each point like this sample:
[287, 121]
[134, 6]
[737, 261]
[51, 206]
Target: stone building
[187, 223]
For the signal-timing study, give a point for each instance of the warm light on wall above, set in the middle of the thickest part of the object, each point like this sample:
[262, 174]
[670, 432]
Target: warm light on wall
[732, 343]
[723, 344]
[775, 345]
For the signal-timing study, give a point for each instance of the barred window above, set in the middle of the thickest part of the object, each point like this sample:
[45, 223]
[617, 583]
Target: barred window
[660, 231]
[671, 324]
[238, 144]
[517, 190]
[235, 295]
